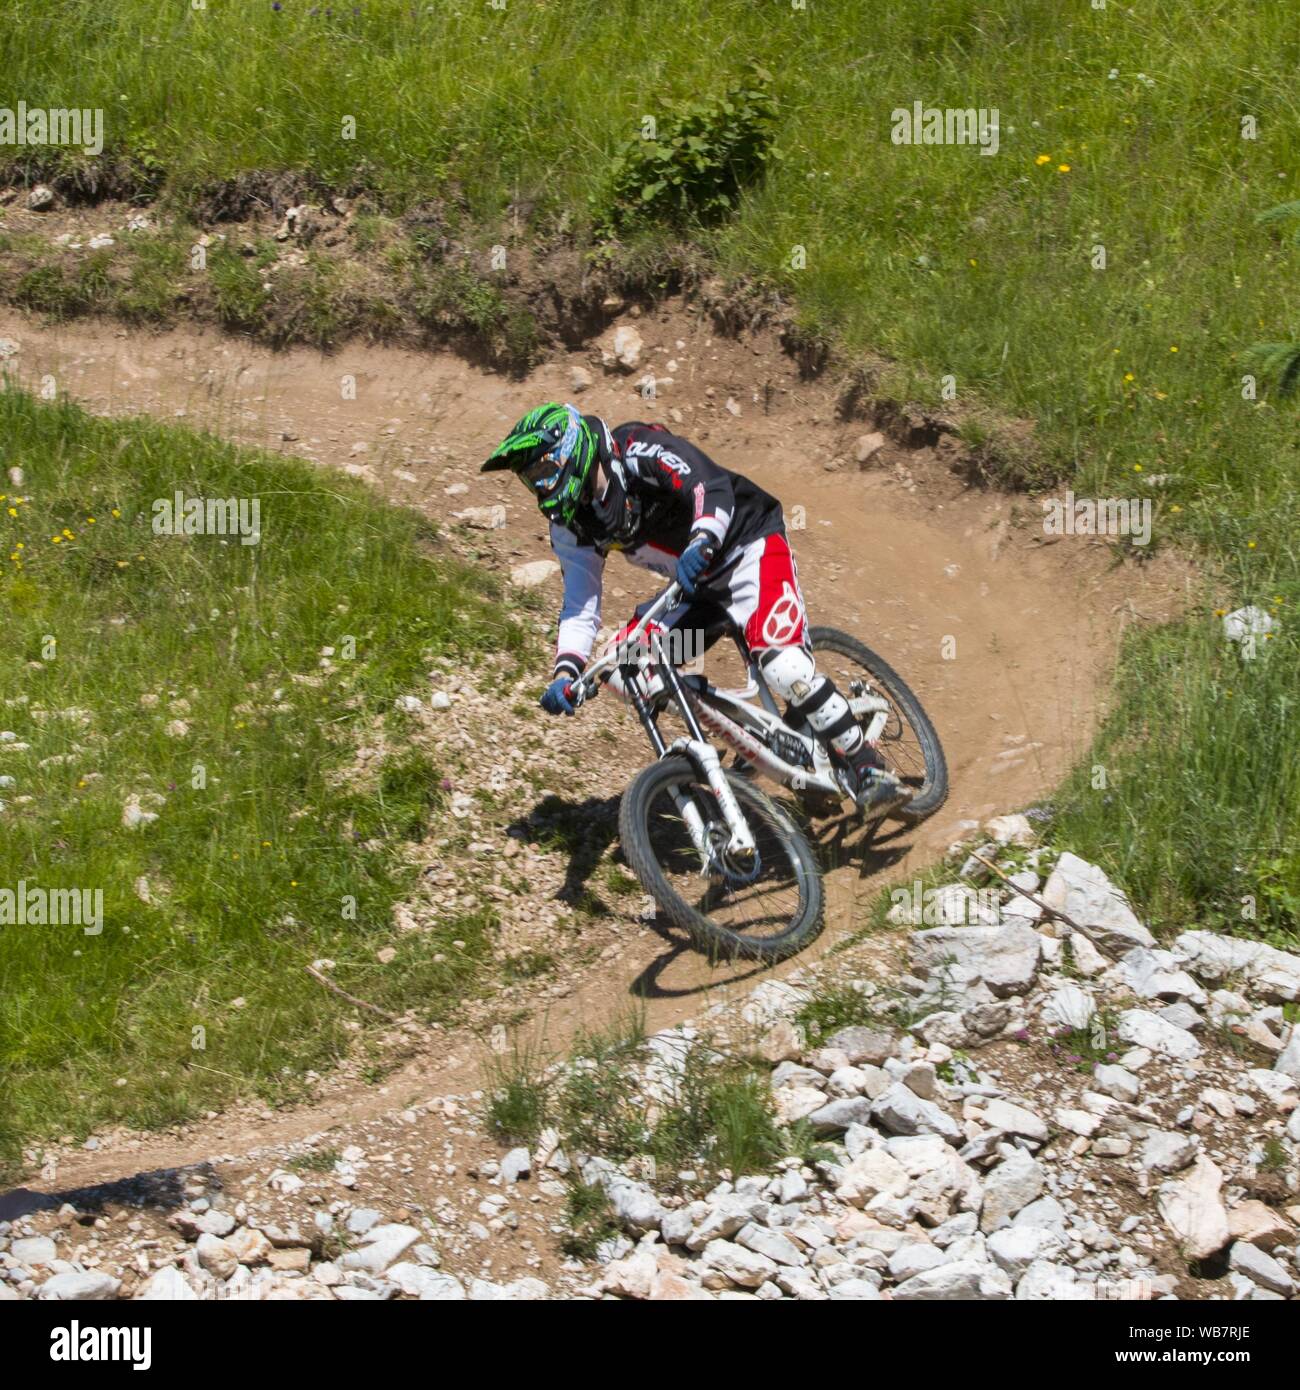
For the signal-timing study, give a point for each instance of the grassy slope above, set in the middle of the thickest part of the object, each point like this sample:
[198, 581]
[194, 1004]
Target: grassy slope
[249, 865]
[949, 262]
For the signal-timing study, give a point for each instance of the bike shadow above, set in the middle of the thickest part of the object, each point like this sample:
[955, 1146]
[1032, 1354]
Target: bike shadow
[585, 830]
[844, 841]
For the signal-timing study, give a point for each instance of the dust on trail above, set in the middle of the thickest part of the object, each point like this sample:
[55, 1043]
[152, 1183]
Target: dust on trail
[900, 554]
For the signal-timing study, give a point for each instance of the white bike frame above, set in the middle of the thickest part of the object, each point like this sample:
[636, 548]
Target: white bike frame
[732, 716]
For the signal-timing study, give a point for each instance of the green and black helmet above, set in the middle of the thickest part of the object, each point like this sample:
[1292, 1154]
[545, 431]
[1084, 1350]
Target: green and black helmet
[554, 450]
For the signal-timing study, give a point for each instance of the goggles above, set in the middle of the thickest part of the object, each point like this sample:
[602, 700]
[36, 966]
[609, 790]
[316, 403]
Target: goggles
[543, 472]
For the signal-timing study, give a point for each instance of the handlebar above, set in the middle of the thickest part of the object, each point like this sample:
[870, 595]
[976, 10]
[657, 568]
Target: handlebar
[585, 686]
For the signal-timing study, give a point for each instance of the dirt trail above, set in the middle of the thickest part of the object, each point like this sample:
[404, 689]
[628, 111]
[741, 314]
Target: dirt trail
[900, 554]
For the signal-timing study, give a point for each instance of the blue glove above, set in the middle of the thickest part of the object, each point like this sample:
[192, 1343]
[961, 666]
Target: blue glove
[556, 697]
[692, 563]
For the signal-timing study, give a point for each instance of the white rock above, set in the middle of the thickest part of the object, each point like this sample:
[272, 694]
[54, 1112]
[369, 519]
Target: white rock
[1271, 974]
[1261, 1268]
[870, 1174]
[1014, 1119]
[1193, 1210]
[910, 1260]
[1084, 893]
[838, 1115]
[628, 347]
[216, 1256]
[1277, 1086]
[899, 1110]
[960, 1279]
[134, 815]
[428, 1285]
[1004, 957]
[867, 446]
[1168, 1151]
[383, 1246]
[1013, 1184]
[744, 1267]
[74, 1286]
[1010, 830]
[1015, 1248]
[724, 1216]
[859, 1290]
[1155, 975]
[1069, 1007]
[535, 572]
[1245, 623]
[1088, 960]
[1117, 1082]
[1144, 1029]
[515, 1165]
[796, 1102]
[1044, 1281]
[1080, 1122]
[1288, 1060]
[34, 1251]
[772, 1244]
[167, 1284]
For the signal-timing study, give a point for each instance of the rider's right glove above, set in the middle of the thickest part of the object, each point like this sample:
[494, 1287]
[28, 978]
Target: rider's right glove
[557, 697]
[693, 561]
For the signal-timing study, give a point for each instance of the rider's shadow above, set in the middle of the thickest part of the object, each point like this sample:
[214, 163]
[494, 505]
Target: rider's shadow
[583, 830]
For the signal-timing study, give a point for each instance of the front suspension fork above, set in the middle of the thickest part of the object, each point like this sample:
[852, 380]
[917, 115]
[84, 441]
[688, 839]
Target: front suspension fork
[740, 841]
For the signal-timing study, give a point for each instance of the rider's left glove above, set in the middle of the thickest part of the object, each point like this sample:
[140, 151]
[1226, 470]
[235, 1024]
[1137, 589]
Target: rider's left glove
[557, 698]
[692, 563]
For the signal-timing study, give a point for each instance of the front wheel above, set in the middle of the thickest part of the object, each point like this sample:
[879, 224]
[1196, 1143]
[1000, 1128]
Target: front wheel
[908, 743]
[766, 909]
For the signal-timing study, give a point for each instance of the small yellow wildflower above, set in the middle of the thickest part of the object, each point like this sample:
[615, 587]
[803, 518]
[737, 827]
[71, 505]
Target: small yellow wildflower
[1062, 168]
[116, 512]
[1043, 159]
[1174, 348]
[1175, 508]
[1128, 376]
[1250, 545]
[1137, 468]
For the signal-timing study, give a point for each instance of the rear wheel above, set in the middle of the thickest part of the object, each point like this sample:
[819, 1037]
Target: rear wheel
[765, 909]
[908, 743]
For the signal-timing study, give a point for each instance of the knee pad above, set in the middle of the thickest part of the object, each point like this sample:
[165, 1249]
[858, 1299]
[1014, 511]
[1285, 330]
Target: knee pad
[790, 672]
[793, 676]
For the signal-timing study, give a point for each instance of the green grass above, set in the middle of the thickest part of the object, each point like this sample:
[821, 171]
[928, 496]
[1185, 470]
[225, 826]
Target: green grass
[268, 851]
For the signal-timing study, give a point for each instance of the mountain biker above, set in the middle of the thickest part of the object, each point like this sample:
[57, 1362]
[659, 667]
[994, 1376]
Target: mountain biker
[670, 508]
